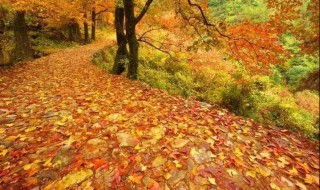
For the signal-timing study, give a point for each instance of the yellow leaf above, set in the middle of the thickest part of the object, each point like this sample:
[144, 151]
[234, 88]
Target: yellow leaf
[274, 186]
[178, 143]
[301, 185]
[193, 152]
[22, 137]
[167, 175]
[283, 160]
[28, 166]
[30, 129]
[238, 152]
[251, 173]
[293, 171]
[209, 133]
[232, 172]
[157, 132]
[4, 152]
[178, 165]
[138, 147]
[48, 163]
[9, 125]
[60, 123]
[159, 161]
[136, 178]
[245, 130]
[70, 179]
[263, 172]
[212, 181]
[221, 156]
[11, 138]
[2, 130]
[24, 115]
[265, 154]
[143, 167]
[310, 179]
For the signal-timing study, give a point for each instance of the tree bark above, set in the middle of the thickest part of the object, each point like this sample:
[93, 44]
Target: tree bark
[73, 30]
[122, 52]
[22, 51]
[86, 30]
[1, 56]
[132, 39]
[93, 26]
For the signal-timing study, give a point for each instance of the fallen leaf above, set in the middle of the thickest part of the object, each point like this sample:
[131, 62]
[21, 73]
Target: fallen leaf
[301, 185]
[251, 173]
[310, 179]
[238, 152]
[293, 171]
[159, 161]
[212, 181]
[70, 179]
[232, 172]
[4, 152]
[136, 178]
[274, 186]
[178, 143]
[30, 129]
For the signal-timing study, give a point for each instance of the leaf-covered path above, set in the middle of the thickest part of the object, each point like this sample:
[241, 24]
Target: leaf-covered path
[65, 123]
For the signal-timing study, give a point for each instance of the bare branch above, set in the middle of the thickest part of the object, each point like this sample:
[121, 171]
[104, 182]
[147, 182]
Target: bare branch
[148, 31]
[143, 12]
[206, 21]
[102, 11]
[159, 49]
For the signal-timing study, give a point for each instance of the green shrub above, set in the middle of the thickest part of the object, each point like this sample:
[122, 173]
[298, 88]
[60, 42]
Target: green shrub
[276, 77]
[240, 100]
[256, 97]
[287, 116]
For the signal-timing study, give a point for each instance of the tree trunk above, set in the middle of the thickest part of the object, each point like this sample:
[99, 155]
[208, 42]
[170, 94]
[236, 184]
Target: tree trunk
[132, 39]
[93, 26]
[1, 57]
[86, 30]
[22, 51]
[122, 52]
[73, 30]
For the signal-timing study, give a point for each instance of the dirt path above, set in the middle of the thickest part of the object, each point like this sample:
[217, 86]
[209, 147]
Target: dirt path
[64, 123]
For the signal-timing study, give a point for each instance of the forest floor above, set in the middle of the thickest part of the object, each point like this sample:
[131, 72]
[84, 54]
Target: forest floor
[65, 123]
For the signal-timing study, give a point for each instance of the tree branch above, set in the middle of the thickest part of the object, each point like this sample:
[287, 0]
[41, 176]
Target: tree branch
[159, 49]
[102, 11]
[206, 21]
[143, 12]
[146, 32]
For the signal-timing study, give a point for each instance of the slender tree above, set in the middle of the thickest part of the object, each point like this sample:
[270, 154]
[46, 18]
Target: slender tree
[122, 52]
[23, 51]
[86, 29]
[131, 22]
[93, 24]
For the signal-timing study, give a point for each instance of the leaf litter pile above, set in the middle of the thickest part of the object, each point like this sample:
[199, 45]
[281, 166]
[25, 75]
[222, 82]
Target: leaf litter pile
[66, 124]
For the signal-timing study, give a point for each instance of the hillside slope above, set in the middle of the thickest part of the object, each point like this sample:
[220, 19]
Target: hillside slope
[65, 123]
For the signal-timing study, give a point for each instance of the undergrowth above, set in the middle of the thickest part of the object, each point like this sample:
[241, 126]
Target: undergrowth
[259, 97]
